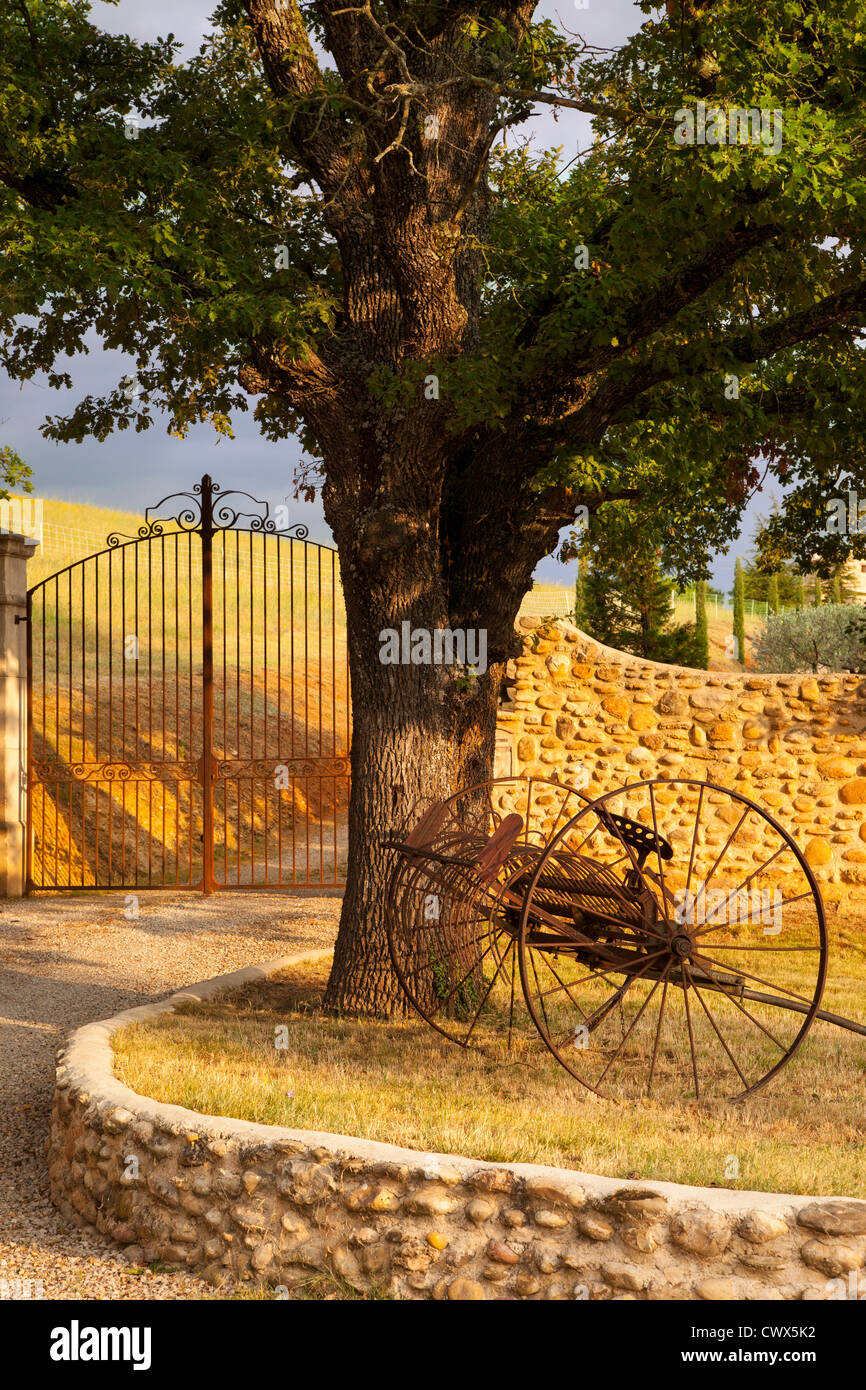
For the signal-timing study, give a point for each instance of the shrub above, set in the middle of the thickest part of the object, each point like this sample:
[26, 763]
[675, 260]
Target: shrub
[832, 636]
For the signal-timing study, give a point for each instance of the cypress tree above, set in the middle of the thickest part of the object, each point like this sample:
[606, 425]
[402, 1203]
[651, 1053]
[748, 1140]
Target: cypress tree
[836, 588]
[578, 595]
[800, 593]
[773, 593]
[740, 613]
[818, 595]
[702, 635]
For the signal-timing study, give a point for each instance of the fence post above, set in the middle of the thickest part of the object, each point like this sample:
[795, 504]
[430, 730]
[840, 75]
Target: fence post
[15, 551]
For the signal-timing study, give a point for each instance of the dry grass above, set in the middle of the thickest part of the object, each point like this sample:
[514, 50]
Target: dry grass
[402, 1083]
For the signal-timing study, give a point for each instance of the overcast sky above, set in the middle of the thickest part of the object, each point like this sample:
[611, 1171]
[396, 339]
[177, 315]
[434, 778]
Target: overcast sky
[134, 470]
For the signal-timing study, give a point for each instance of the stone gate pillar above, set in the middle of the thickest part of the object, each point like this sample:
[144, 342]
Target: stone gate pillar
[15, 551]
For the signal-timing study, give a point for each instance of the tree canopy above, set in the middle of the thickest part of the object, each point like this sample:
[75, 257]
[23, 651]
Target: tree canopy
[296, 122]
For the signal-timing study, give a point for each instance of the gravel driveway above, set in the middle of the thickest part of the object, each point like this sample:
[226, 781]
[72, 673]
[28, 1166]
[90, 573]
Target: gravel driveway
[70, 960]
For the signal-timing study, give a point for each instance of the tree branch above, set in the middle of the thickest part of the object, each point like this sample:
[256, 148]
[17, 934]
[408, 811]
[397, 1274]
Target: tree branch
[646, 313]
[318, 141]
[587, 424]
[847, 305]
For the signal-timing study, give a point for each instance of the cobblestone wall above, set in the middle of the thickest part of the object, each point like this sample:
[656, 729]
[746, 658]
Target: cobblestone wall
[796, 745]
[224, 1198]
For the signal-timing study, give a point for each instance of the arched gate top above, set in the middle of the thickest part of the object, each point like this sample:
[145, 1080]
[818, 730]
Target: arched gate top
[208, 509]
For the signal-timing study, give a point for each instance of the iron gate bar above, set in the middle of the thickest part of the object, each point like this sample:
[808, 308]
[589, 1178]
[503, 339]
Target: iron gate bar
[179, 769]
[206, 533]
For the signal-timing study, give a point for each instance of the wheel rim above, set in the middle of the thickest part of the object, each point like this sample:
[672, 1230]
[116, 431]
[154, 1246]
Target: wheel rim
[453, 938]
[694, 975]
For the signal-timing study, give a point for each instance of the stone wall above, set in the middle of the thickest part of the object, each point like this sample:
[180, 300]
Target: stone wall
[796, 745]
[229, 1199]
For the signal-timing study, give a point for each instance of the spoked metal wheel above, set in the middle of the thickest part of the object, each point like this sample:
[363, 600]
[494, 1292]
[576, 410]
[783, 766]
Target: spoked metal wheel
[692, 962]
[452, 930]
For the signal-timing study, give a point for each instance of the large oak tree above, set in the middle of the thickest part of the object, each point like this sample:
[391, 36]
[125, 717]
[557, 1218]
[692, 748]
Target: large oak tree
[330, 211]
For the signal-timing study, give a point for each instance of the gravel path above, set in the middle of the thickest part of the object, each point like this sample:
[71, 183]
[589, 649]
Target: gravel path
[68, 961]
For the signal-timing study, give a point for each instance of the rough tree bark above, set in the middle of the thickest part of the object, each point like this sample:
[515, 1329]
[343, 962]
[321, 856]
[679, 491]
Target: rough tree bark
[417, 731]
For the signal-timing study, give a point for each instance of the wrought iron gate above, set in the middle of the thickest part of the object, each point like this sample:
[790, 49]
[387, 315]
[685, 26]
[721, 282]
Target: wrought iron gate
[188, 707]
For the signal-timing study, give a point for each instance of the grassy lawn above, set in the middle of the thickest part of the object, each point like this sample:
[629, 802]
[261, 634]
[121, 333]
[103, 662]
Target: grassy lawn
[402, 1083]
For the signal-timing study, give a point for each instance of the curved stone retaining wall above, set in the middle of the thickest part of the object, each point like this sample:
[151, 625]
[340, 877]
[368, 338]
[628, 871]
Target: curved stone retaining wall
[794, 744]
[227, 1198]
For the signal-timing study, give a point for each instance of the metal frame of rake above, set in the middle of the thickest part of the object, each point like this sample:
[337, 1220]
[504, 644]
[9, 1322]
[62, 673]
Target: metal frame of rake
[529, 880]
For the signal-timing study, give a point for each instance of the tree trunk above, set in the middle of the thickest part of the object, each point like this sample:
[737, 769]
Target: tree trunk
[419, 732]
